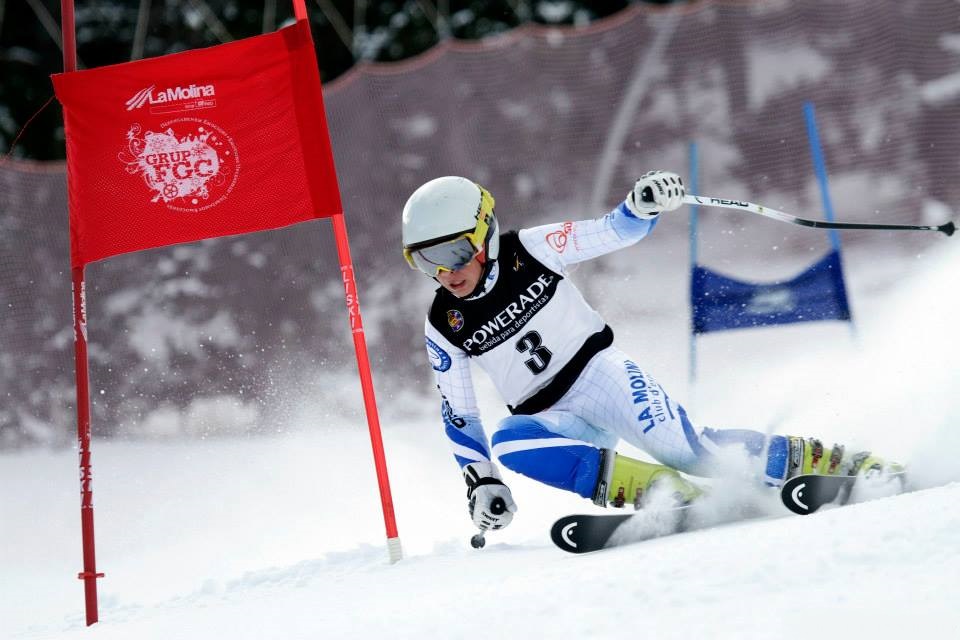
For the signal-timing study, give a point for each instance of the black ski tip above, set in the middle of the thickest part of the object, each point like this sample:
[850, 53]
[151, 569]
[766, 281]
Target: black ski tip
[585, 533]
[805, 494]
[948, 228]
[796, 494]
[567, 532]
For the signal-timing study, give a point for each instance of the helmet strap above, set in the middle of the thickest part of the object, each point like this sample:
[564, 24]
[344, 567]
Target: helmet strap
[484, 274]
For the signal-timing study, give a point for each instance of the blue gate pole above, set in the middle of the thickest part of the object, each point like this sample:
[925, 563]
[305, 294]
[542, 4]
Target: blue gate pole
[694, 210]
[820, 169]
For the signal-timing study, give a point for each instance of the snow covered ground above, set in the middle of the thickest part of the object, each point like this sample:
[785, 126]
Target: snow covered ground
[282, 537]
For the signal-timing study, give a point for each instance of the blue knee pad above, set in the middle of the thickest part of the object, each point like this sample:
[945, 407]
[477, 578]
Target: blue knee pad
[777, 453]
[526, 445]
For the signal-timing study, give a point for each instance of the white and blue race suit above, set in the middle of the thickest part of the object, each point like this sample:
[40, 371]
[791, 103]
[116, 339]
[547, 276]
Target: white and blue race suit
[551, 357]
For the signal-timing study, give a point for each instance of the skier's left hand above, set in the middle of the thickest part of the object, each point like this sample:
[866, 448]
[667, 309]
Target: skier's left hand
[654, 192]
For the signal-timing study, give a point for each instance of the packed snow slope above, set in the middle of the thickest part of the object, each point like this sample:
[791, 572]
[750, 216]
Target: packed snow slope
[282, 537]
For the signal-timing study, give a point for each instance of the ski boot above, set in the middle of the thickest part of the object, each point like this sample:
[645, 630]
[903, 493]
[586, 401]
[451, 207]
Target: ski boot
[624, 480]
[808, 455]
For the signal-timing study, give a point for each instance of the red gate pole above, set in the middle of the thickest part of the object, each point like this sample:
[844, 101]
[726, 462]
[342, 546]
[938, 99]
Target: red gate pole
[363, 365]
[89, 574]
[366, 382]
[299, 10]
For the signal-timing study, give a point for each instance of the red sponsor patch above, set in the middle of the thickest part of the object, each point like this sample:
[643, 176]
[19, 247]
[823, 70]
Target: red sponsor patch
[558, 239]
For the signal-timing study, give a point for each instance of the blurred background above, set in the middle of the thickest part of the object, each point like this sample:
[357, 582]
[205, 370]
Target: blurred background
[347, 33]
[555, 106]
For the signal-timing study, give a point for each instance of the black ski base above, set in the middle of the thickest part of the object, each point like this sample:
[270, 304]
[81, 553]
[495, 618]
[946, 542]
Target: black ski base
[585, 533]
[805, 494]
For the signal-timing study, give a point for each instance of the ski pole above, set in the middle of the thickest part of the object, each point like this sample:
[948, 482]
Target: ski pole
[947, 228]
[497, 507]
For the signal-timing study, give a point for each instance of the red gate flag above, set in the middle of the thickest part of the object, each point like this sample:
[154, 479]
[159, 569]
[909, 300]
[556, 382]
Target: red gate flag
[205, 143]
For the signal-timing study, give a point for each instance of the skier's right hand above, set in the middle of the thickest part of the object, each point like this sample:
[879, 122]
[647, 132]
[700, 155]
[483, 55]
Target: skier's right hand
[490, 503]
[654, 192]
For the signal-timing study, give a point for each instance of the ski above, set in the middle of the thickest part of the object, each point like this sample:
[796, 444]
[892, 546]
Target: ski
[805, 494]
[584, 533]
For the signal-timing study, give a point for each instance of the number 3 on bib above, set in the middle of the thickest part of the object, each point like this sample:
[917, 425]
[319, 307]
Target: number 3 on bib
[541, 355]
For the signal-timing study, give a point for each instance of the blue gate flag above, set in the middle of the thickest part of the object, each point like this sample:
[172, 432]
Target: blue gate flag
[719, 302]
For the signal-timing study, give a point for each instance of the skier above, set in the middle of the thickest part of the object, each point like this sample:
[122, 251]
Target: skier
[505, 301]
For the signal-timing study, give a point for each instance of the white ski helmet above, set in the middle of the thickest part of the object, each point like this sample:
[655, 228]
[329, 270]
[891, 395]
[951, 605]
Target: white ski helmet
[446, 222]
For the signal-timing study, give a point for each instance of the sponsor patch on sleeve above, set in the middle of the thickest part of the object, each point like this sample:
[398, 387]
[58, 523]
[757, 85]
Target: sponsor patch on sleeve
[439, 359]
[557, 240]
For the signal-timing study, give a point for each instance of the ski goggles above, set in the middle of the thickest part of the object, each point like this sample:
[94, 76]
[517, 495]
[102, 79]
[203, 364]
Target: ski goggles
[454, 252]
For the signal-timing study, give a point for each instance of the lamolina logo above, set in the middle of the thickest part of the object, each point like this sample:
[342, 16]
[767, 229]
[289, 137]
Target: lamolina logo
[189, 98]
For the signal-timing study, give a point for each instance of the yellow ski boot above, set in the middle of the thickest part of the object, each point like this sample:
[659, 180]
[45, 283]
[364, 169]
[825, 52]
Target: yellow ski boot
[808, 455]
[625, 480]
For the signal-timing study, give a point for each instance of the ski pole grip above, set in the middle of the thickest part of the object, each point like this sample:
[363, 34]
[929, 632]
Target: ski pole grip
[498, 506]
[647, 195]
